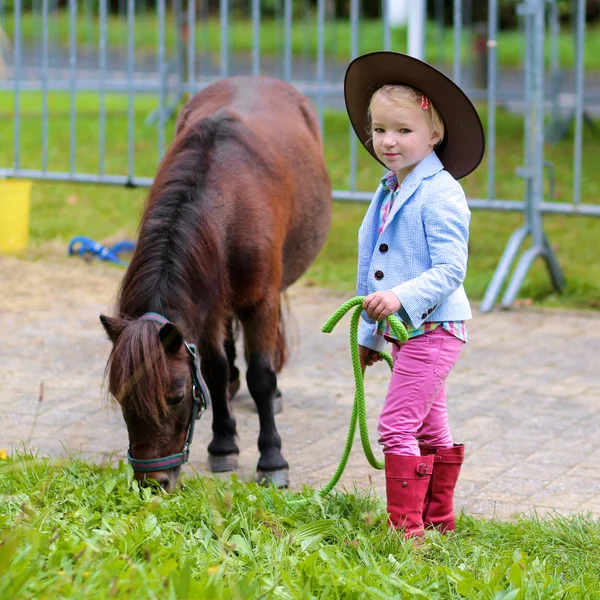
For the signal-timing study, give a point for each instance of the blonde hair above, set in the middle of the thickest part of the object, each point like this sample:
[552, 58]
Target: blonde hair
[405, 96]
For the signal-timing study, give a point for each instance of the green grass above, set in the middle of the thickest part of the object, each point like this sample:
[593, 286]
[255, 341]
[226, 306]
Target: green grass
[70, 529]
[439, 47]
[63, 210]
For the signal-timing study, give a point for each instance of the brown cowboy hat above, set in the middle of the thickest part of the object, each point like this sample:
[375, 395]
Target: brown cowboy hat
[464, 142]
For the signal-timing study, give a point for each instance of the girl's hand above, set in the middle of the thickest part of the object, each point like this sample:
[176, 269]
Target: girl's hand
[381, 304]
[368, 357]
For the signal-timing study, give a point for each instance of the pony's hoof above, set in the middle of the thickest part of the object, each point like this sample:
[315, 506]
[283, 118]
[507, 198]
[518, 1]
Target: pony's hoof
[221, 464]
[279, 477]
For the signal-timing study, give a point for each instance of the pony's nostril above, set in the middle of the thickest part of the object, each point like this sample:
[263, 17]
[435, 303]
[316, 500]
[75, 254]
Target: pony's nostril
[164, 482]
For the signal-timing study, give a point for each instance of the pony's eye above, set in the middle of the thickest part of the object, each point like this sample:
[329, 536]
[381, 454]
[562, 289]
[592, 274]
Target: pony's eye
[175, 400]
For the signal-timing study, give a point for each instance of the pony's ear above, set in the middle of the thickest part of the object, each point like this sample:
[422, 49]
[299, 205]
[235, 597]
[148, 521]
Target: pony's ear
[171, 338]
[113, 327]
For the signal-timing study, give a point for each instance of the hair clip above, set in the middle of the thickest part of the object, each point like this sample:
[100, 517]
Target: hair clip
[424, 102]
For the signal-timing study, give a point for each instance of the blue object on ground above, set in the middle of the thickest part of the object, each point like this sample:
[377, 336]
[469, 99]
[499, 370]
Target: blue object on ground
[87, 248]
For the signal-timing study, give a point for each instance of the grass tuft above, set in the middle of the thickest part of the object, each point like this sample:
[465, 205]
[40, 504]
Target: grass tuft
[72, 529]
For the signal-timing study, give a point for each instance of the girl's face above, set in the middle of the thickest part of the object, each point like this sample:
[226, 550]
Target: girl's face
[402, 136]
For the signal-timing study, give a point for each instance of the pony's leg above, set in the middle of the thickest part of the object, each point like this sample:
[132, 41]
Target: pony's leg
[222, 450]
[260, 334]
[234, 372]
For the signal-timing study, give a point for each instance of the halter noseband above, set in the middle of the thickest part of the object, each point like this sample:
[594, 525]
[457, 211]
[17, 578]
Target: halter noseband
[201, 401]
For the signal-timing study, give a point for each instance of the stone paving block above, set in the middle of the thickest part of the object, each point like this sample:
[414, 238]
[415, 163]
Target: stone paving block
[572, 483]
[486, 456]
[556, 499]
[480, 472]
[557, 454]
[529, 469]
[11, 423]
[508, 489]
[522, 445]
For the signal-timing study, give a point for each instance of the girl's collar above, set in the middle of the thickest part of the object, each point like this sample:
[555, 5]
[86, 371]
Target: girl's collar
[426, 167]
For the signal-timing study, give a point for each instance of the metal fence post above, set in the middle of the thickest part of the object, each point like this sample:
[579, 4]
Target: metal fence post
[534, 12]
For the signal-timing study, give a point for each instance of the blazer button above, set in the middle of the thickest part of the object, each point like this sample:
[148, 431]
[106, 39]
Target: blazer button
[424, 316]
[383, 248]
[378, 275]
[430, 311]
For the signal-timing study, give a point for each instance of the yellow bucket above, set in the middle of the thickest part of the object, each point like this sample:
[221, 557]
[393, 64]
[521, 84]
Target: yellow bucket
[14, 215]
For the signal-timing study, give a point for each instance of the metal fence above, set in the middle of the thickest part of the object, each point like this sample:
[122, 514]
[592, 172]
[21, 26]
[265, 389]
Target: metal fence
[167, 50]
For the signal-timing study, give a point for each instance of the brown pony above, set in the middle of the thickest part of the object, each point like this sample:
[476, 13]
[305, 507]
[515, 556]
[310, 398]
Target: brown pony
[239, 208]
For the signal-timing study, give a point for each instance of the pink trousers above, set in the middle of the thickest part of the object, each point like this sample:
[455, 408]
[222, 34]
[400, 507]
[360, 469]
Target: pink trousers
[415, 406]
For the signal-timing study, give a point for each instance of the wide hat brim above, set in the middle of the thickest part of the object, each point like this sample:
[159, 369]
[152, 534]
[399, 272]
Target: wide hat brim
[464, 141]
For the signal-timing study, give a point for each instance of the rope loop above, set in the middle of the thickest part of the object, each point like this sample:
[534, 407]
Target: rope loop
[359, 412]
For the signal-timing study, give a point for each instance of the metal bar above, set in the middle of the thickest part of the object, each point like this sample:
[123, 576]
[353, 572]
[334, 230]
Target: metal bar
[17, 87]
[456, 71]
[287, 51]
[77, 177]
[306, 39]
[492, 87]
[45, 8]
[37, 29]
[441, 31]
[341, 195]
[528, 150]
[205, 60]
[555, 208]
[180, 52]
[102, 108]
[387, 32]
[255, 37]
[224, 9]
[354, 9]
[320, 60]
[72, 74]
[89, 83]
[130, 100]
[520, 272]
[554, 27]
[163, 78]
[191, 59]
[579, 91]
[416, 29]
[556, 274]
[88, 17]
[510, 252]
[537, 183]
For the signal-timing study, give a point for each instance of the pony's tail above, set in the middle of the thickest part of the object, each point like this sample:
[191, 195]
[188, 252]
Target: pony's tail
[281, 346]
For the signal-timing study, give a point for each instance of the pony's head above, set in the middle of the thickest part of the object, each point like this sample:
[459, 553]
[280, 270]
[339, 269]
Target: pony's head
[155, 377]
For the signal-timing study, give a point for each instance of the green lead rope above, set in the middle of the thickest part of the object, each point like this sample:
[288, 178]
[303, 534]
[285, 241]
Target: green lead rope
[359, 409]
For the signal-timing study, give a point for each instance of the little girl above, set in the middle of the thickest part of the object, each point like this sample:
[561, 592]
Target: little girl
[412, 260]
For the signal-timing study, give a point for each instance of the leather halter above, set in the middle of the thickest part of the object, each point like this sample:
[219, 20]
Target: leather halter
[201, 401]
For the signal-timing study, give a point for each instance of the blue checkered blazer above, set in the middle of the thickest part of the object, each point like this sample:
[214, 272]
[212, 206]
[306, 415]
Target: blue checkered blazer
[421, 254]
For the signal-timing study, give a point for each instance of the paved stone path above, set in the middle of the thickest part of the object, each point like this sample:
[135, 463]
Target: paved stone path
[524, 397]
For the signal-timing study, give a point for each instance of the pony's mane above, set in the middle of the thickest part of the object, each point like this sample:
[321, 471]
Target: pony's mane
[141, 364]
[180, 255]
